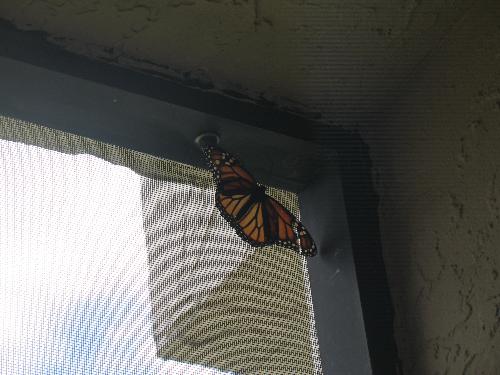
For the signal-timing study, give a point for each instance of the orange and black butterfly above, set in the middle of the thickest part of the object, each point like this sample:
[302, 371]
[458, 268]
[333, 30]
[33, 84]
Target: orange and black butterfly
[257, 218]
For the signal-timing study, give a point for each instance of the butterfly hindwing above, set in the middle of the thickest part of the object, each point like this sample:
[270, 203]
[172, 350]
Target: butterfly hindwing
[252, 225]
[256, 217]
[246, 215]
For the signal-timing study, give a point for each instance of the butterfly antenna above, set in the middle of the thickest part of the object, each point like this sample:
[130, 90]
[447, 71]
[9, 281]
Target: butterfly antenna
[207, 139]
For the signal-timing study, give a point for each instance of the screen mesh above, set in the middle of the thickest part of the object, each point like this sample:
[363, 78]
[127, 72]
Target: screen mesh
[117, 262]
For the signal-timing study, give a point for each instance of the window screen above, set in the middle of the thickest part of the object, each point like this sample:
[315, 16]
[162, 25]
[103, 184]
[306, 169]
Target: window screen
[117, 262]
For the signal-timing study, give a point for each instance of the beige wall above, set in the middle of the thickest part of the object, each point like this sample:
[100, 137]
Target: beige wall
[327, 54]
[420, 80]
[440, 206]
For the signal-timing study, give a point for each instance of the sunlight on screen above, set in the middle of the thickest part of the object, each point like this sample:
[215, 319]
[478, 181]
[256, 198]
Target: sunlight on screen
[74, 294]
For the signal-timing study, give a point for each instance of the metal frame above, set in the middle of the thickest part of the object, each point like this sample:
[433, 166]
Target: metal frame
[42, 83]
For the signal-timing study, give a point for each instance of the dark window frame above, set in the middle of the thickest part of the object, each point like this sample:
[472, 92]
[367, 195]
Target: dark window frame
[352, 303]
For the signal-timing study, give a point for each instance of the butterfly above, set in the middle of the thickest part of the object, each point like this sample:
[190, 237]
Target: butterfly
[257, 218]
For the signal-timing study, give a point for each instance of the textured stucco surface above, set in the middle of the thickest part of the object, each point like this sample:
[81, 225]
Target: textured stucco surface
[329, 54]
[440, 210]
[420, 81]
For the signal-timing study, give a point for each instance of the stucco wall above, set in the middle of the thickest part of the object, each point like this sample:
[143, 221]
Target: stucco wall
[321, 53]
[440, 206]
[420, 81]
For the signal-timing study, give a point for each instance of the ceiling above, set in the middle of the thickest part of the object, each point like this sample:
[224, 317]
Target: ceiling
[346, 59]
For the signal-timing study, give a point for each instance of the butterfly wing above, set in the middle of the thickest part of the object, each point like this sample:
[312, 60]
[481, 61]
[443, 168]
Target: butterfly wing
[246, 215]
[235, 197]
[281, 223]
[286, 230]
[307, 245]
[229, 174]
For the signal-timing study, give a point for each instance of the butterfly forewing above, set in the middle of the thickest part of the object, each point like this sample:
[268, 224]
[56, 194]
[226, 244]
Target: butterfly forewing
[282, 223]
[230, 176]
[307, 245]
[289, 231]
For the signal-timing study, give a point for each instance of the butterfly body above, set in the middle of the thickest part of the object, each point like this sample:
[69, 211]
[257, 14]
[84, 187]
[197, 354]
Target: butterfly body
[257, 218]
[259, 192]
